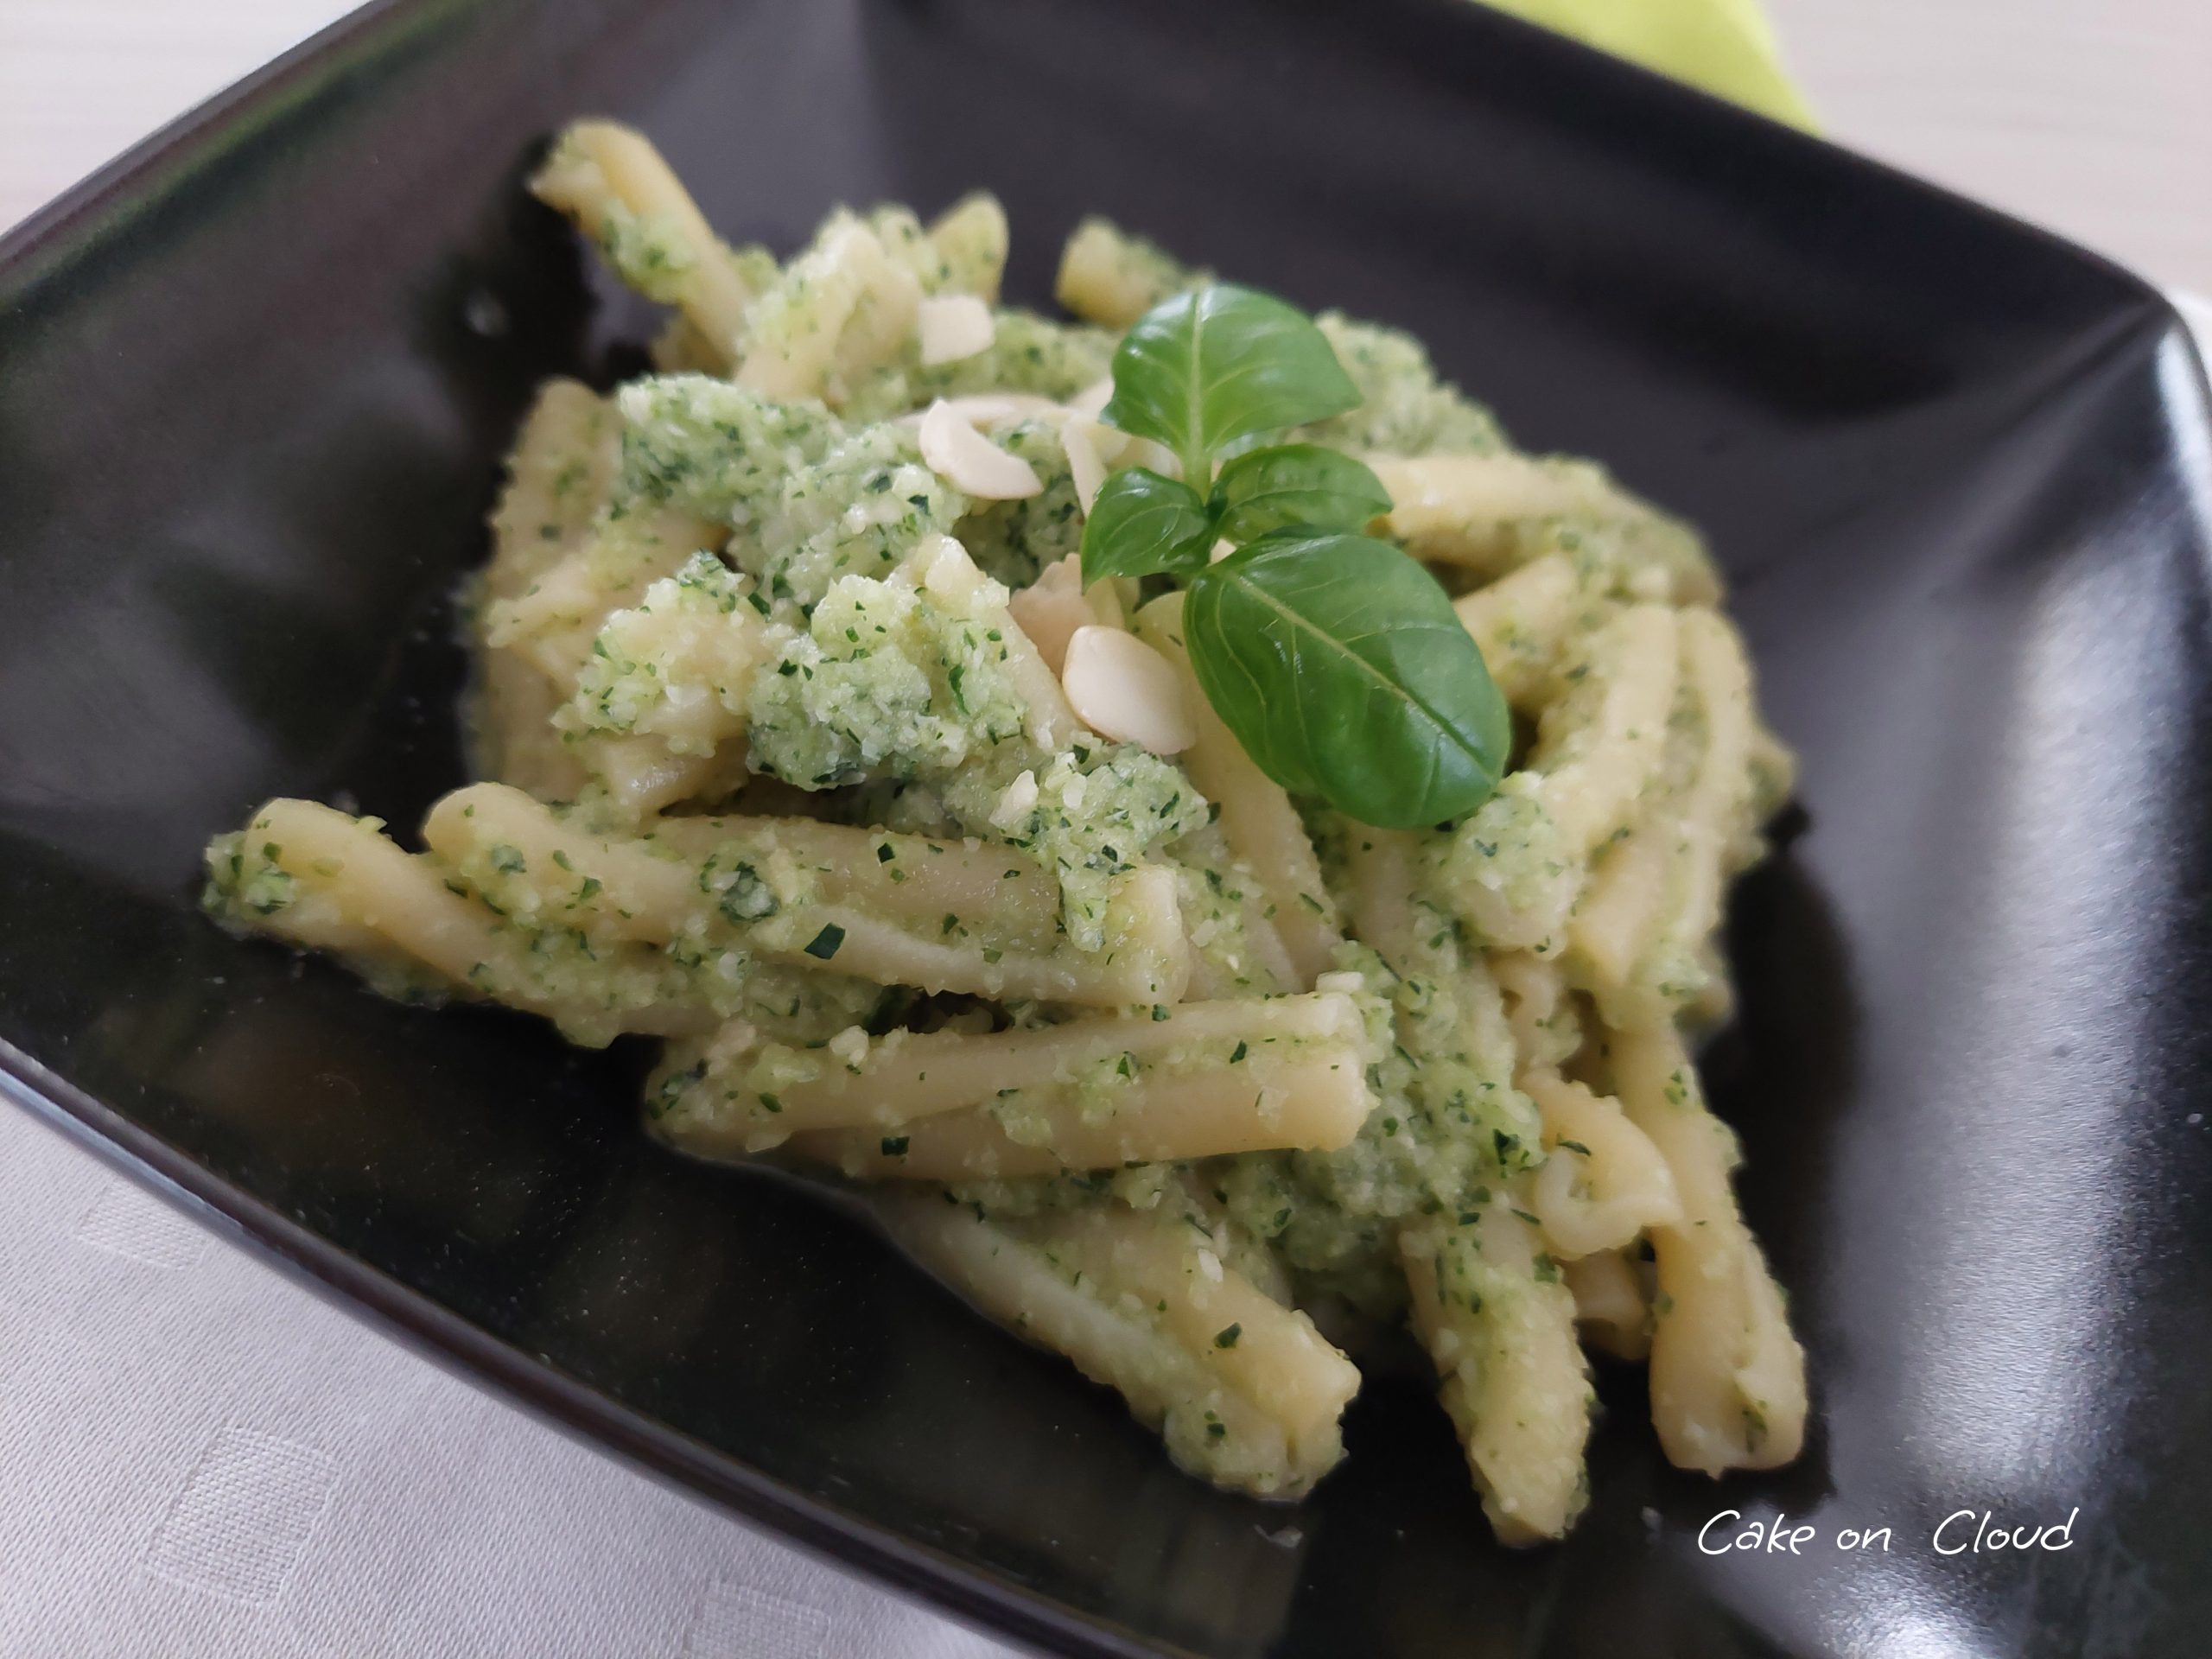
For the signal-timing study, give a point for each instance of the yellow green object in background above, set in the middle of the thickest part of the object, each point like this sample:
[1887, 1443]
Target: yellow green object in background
[1725, 46]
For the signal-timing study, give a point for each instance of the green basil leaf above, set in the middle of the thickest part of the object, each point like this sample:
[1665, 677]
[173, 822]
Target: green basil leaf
[1202, 369]
[1263, 490]
[1341, 667]
[1141, 523]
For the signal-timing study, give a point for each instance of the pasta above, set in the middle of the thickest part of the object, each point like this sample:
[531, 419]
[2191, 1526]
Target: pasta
[1300, 1081]
[1258, 822]
[1489, 1304]
[1232, 1379]
[804, 749]
[774, 885]
[1612, 1307]
[1727, 1378]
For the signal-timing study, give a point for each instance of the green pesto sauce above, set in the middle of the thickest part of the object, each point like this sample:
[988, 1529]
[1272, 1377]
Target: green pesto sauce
[1014, 541]
[1406, 410]
[899, 707]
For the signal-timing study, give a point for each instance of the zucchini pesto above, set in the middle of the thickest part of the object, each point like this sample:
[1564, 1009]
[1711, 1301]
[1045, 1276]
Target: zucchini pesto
[1218, 846]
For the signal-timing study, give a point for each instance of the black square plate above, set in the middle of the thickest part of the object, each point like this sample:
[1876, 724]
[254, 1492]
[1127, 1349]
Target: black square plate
[254, 384]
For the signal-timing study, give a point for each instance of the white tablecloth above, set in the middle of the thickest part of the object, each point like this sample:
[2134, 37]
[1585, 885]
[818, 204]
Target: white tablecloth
[200, 1458]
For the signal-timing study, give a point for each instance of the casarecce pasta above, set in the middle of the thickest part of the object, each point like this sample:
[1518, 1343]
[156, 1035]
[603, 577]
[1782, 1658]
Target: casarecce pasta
[804, 747]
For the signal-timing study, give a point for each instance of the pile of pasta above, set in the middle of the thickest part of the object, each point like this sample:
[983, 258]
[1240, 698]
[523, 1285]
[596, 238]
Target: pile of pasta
[804, 746]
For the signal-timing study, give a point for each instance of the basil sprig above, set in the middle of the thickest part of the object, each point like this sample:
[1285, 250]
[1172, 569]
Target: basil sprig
[1201, 370]
[1142, 524]
[1294, 484]
[1335, 658]
[1345, 672]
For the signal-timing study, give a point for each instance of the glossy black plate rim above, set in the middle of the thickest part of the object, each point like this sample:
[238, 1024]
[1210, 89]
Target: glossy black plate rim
[136, 179]
[138, 170]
